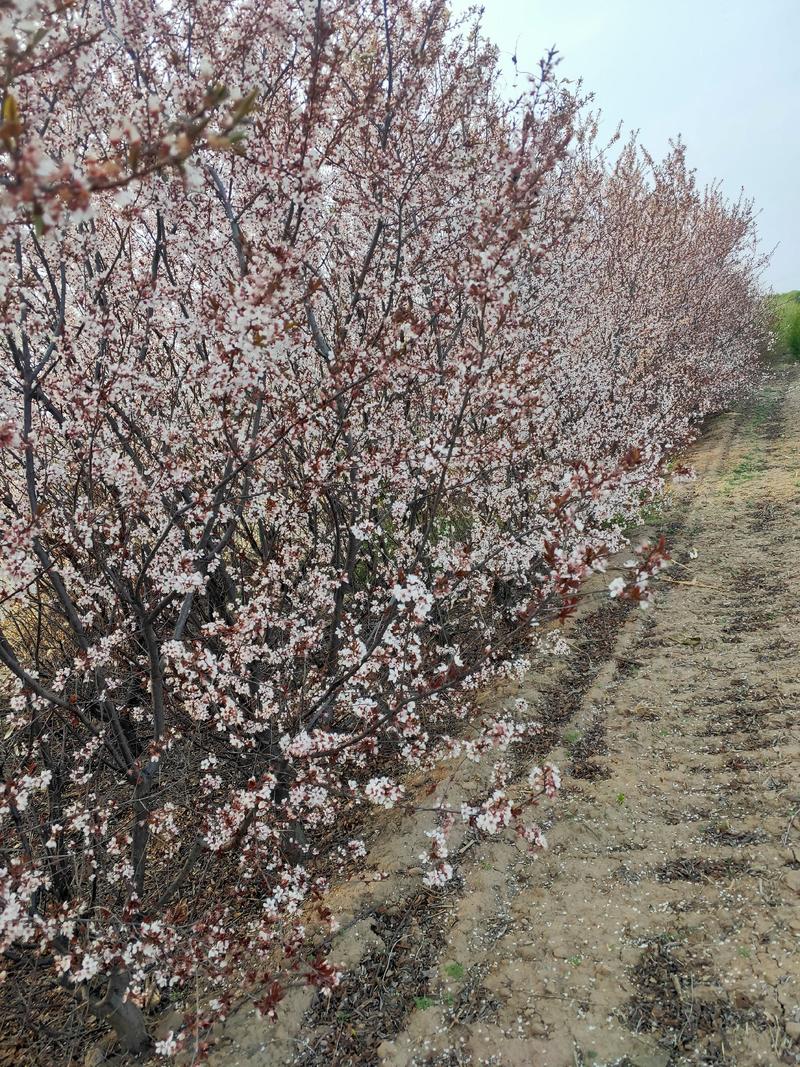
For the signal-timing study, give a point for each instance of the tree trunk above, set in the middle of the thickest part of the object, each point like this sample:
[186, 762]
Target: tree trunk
[123, 1015]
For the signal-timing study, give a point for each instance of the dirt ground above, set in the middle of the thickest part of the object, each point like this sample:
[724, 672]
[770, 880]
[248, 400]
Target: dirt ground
[662, 926]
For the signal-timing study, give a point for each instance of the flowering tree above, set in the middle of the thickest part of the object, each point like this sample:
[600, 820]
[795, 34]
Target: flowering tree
[328, 375]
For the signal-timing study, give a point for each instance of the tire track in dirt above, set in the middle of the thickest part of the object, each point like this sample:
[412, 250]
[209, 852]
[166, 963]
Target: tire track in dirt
[662, 926]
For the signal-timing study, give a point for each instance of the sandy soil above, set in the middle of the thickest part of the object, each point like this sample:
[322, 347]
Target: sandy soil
[662, 926]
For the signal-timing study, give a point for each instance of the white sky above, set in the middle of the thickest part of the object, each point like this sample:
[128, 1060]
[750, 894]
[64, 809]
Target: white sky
[725, 74]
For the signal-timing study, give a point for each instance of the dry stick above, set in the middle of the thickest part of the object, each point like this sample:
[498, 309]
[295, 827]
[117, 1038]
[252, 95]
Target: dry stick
[694, 582]
[792, 817]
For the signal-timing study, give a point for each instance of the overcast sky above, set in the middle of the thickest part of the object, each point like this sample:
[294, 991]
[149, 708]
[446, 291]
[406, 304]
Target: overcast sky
[725, 74]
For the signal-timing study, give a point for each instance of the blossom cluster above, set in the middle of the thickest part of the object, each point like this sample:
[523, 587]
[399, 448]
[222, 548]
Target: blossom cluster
[330, 374]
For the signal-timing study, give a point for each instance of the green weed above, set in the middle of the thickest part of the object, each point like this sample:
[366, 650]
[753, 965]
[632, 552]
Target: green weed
[785, 308]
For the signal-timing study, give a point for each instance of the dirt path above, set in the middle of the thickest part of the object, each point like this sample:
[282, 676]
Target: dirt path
[662, 926]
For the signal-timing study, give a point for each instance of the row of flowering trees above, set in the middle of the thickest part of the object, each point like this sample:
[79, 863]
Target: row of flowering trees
[329, 374]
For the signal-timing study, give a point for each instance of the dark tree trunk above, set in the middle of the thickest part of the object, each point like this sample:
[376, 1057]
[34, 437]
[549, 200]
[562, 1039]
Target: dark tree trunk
[123, 1015]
